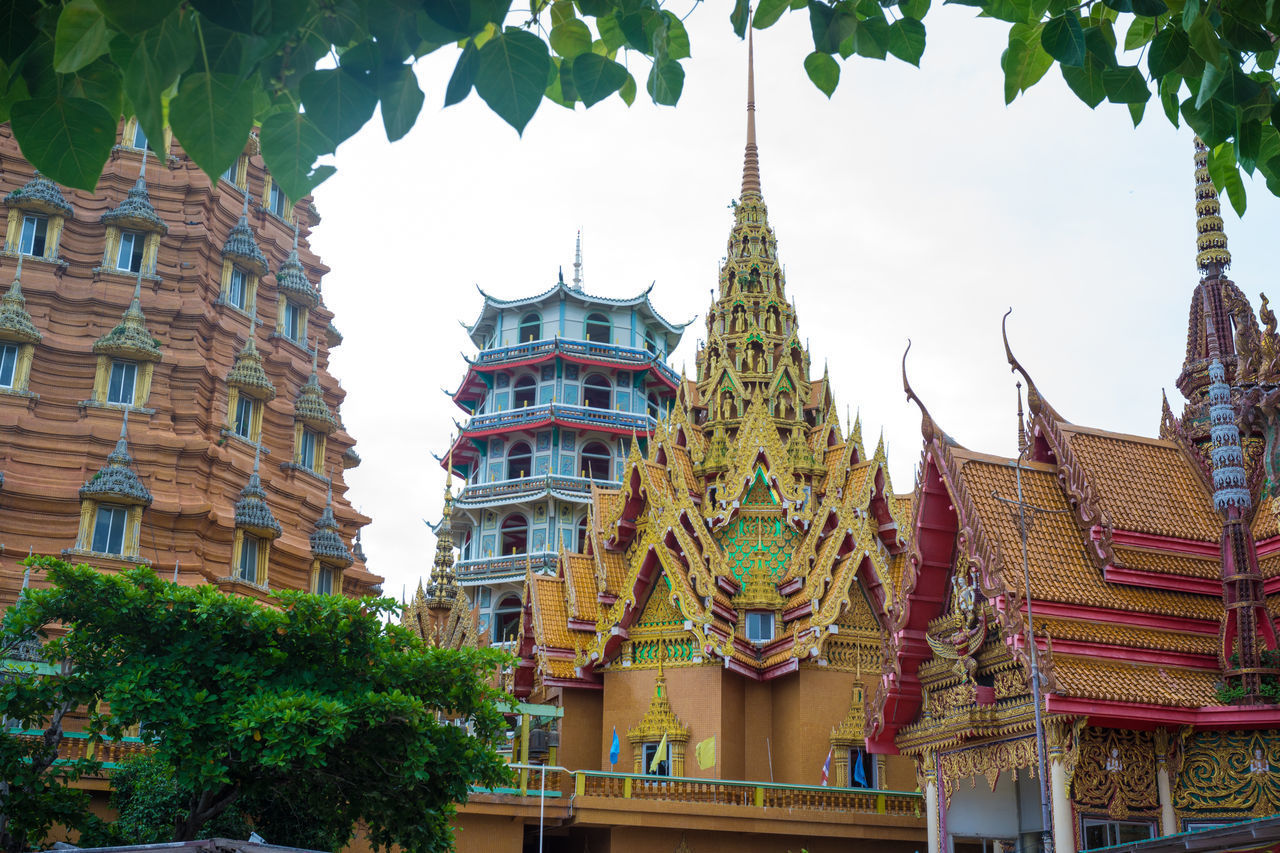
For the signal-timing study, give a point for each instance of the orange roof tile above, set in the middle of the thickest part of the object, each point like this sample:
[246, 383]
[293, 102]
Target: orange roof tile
[1145, 484]
[1089, 678]
[580, 586]
[550, 616]
[1059, 568]
[1128, 635]
[1266, 521]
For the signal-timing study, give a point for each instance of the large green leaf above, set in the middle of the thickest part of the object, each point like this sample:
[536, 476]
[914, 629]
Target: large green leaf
[134, 16]
[401, 99]
[1125, 85]
[159, 55]
[1140, 32]
[69, 139]
[677, 36]
[462, 81]
[1214, 122]
[291, 144]
[1226, 176]
[628, 90]
[871, 38]
[18, 27]
[1205, 42]
[512, 74]
[1150, 8]
[596, 77]
[82, 36]
[823, 71]
[211, 117]
[768, 12]
[666, 81]
[468, 16]
[1063, 39]
[906, 40]
[738, 17]
[256, 17]
[1086, 81]
[338, 101]
[1167, 51]
[99, 81]
[1025, 61]
[571, 38]
[830, 25]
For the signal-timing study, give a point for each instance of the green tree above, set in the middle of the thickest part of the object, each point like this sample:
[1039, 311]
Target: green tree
[316, 701]
[311, 73]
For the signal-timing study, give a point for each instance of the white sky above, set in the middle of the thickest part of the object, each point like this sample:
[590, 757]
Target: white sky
[914, 204]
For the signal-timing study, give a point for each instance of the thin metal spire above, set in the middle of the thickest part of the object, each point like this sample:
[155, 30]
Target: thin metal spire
[751, 158]
[577, 263]
[1022, 424]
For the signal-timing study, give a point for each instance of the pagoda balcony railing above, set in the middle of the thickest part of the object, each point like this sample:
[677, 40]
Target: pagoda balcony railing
[518, 488]
[581, 416]
[76, 745]
[527, 781]
[488, 568]
[631, 356]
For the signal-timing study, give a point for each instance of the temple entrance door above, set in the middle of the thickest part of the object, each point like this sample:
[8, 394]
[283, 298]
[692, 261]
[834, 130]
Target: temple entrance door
[1004, 820]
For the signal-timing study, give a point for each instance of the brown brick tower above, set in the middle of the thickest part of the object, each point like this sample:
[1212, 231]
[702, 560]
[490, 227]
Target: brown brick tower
[164, 392]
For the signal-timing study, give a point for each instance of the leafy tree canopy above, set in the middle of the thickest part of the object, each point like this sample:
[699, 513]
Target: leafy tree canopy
[317, 702]
[311, 73]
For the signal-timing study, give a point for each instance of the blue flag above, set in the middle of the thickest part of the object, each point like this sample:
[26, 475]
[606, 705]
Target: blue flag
[859, 770]
[616, 749]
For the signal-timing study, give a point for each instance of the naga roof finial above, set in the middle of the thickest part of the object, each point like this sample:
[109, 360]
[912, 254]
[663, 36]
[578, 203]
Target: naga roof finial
[1212, 256]
[928, 427]
[751, 158]
[1035, 400]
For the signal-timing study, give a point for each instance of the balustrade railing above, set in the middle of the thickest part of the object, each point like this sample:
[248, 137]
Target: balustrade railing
[631, 356]
[586, 416]
[720, 792]
[76, 745]
[516, 486]
[484, 567]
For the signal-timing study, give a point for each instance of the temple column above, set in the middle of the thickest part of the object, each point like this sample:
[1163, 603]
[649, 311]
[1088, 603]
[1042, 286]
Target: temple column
[1168, 819]
[930, 776]
[1062, 759]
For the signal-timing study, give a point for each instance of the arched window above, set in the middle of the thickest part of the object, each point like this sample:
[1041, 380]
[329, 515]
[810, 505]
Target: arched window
[515, 534]
[650, 342]
[526, 392]
[519, 460]
[506, 619]
[530, 327]
[595, 461]
[597, 392]
[652, 404]
[582, 535]
[598, 329]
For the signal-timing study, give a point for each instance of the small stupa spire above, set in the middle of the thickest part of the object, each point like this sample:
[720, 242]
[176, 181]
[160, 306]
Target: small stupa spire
[1212, 256]
[751, 158]
[577, 262]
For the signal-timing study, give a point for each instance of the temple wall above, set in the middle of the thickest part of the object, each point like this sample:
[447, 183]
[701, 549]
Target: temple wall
[581, 734]
[806, 706]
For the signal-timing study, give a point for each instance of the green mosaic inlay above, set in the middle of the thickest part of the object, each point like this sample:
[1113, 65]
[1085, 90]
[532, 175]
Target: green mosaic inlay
[762, 538]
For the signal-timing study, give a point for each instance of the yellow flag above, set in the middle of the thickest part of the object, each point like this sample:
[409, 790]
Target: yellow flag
[659, 754]
[706, 752]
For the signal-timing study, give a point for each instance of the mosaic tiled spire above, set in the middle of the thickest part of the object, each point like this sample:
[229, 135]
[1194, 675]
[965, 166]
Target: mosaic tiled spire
[443, 586]
[326, 541]
[241, 244]
[116, 481]
[310, 406]
[15, 322]
[130, 338]
[42, 195]
[1212, 256]
[291, 278]
[252, 512]
[136, 210]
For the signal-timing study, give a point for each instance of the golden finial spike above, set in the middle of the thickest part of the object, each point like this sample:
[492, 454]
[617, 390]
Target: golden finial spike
[1022, 423]
[1212, 256]
[751, 159]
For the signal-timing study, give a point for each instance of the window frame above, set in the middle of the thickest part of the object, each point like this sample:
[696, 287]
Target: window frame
[137, 251]
[39, 231]
[602, 323]
[308, 442]
[9, 354]
[126, 367]
[589, 387]
[245, 417]
[508, 532]
[506, 615]
[293, 324]
[325, 580]
[606, 459]
[647, 751]
[113, 513]
[1112, 828]
[241, 278]
[248, 558]
[530, 322]
[759, 618]
[277, 199]
[513, 457]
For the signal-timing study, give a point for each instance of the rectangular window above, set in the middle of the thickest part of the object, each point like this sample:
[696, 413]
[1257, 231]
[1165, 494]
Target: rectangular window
[237, 287]
[8, 364]
[307, 449]
[276, 202]
[324, 581]
[646, 760]
[230, 175]
[139, 139]
[108, 530]
[295, 323]
[129, 255]
[759, 626]
[244, 416]
[1105, 833]
[862, 769]
[35, 231]
[248, 568]
[123, 380]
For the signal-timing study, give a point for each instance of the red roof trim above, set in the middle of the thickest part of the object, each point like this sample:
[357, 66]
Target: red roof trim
[1144, 716]
[1160, 580]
